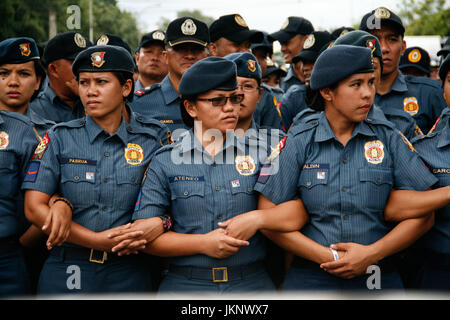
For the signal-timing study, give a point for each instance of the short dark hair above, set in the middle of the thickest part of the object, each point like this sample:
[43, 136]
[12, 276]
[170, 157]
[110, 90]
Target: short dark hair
[123, 76]
[314, 98]
[187, 119]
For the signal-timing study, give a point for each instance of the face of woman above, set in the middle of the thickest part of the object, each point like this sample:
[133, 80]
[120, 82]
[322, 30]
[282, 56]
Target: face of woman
[102, 94]
[222, 118]
[252, 94]
[447, 89]
[352, 99]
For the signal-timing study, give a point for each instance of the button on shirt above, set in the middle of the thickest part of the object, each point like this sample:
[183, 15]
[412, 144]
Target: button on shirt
[161, 102]
[50, 106]
[17, 143]
[100, 174]
[199, 191]
[344, 189]
[434, 149]
[418, 96]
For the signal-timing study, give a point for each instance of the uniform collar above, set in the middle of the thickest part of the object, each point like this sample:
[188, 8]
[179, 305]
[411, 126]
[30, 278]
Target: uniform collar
[444, 139]
[290, 74]
[1, 118]
[168, 91]
[324, 132]
[399, 84]
[189, 142]
[138, 85]
[94, 130]
[37, 119]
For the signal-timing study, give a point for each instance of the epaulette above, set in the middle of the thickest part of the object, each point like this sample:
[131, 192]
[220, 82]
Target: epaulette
[16, 116]
[305, 115]
[77, 123]
[303, 126]
[147, 90]
[167, 147]
[379, 121]
[162, 131]
[423, 81]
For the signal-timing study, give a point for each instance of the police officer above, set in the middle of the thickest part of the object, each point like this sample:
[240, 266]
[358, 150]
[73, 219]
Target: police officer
[420, 97]
[230, 33]
[206, 188]
[113, 40]
[98, 183]
[372, 157]
[59, 101]
[415, 62]
[434, 149]
[186, 43]
[399, 118]
[150, 59]
[294, 100]
[273, 75]
[292, 36]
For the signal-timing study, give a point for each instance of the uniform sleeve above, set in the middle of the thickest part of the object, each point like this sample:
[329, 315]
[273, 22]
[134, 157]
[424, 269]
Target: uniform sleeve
[43, 173]
[30, 142]
[267, 107]
[410, 173]
[154, 197]
[278, 178]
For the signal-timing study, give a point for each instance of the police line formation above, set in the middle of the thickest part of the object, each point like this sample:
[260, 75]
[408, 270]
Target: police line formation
[355, 169]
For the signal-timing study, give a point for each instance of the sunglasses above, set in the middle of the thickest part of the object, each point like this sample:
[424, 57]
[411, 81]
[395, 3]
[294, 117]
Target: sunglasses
[221, 101]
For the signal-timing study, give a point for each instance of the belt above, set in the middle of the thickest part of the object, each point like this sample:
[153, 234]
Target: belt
[9, 244]
[218, 274]
[85, 254]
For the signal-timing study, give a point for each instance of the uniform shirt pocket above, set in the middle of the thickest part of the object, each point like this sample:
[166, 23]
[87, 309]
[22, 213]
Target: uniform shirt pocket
[9, 174]
[183, 190]
[376, 185]
[128, 184]
[313, 187]
[243, 195]
[78, 183]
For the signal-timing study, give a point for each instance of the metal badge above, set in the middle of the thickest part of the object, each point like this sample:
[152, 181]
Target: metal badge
[374, 152]
[411, 106]
[158, 35]
[414, 56]
[240, 21]
[188, 27]
[382, 13]
[309, 42]
[79, 40]
[285, 24]
[245, 165]
[103, 40]
[134, 154]
[4, 140]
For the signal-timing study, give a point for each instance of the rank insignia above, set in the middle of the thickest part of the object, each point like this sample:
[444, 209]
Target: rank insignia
[4, 140]
[406, 141]
[40, 149]
[374, 151]
[32, 171]
[240, 21]
[309, 42]
[98, 59]
[25, 49]
[411, 106]
[79, 40]
[188, 27]
[245, 165]
[134, 154]
[414, 56]
[251, 65]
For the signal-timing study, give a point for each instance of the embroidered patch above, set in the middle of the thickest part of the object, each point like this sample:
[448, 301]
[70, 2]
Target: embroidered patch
[4, 140]
[134, 154]
[276, 151]
[40, 149]
[411, 106]
[245, 165]
[374, 151]
[32, 171]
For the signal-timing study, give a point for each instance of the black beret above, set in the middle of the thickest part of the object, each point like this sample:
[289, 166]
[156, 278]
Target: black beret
[292, 27]
[415, 57]
[64, 46]
[376, 18]
[114, 40]
[312, 46]
[157, 36]
[340, 32]
[106, 58]
[445, 49]
[187, 29]
[361, 38]
[234, 28]
[443, 70]
[247, 65]
[212, 73]
[18, 50]
[339, 62]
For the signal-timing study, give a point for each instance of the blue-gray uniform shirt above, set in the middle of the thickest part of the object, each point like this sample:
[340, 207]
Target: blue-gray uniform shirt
[199, 191]
[17, 144]
[434, 149]
[290, 79]
[50, 106]
[293, 101]
[100, 174]
[344, 189]
[160, 102]
[266, 113]
[40, 124]
[420, 97]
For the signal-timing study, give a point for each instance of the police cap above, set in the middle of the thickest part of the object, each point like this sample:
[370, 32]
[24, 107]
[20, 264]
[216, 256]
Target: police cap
[114, 40]
[385, 16]
[443, 70]
[417, 58]
[234, 28]
[156, 36]
[445, 49]
[292, 27]
[187, 30]
[313, 46]
[64, 46]
[340, 32]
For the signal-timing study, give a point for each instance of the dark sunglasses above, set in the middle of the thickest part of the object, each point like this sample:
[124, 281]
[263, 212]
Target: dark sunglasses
[221, 101]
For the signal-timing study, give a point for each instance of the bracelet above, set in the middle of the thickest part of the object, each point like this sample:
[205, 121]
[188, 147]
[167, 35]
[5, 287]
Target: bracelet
[335, 254]
[65, 201]
[167, 222]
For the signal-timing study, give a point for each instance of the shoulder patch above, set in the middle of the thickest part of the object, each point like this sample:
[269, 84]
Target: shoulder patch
[77, 123]
[147, 90]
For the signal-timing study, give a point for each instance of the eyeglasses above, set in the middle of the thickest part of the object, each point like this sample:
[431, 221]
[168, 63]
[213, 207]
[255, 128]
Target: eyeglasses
[221, 101]
[247, 87]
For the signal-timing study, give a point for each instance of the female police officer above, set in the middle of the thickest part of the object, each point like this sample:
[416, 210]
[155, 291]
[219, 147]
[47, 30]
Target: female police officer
[202, 183]
[345, 167]
[96, 164]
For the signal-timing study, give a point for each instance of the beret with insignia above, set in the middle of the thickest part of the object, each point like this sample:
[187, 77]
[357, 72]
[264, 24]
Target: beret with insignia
[338, 63]
[187, 30]
[234, 28]
[64, 46]
[105, 58]
[18, 50]
[247, 65]
[379, 17]
[292, 27]
[416, 58]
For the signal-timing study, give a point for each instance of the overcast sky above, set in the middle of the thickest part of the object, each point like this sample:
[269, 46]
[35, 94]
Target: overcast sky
[265, 15]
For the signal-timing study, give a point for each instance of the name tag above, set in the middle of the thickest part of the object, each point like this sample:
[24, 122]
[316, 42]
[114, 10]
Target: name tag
[185, 178]
[309, 166]
[77, 161]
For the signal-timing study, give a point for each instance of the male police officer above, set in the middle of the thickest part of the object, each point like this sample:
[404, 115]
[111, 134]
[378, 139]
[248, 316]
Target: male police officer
[230, 34]
[186, 43]
[292, 36]
[150, 59]
[420, 97]
[415, 62]
[59, 101]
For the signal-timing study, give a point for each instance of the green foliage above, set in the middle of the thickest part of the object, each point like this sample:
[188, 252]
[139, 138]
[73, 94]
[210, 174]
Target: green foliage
[425, 17]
